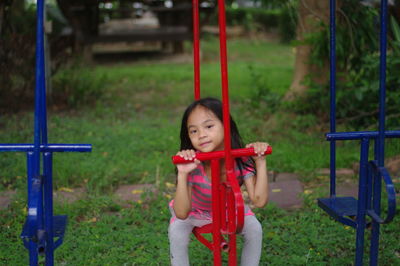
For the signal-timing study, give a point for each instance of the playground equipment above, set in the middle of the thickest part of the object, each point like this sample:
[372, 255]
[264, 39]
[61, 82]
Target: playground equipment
[227, 201]
[344, 209]
[42, 232]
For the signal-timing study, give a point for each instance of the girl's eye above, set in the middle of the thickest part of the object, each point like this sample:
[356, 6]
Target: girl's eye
[210, 126]
[192, 131]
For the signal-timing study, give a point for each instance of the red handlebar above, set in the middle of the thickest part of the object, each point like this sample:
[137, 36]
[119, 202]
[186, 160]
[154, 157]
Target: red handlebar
[205, 156]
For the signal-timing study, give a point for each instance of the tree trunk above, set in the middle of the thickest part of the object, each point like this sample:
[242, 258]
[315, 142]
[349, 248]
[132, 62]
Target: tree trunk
[2, 13]
[396, 10]
[310, 14]
[82, 17]
[10, 9]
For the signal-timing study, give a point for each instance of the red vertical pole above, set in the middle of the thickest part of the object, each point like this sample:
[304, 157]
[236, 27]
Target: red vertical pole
[232, 261]
[196, 48]
[225, 93]
[216, 209]
[231, 211]
[227, 129]
[231, 227]
[222, 191]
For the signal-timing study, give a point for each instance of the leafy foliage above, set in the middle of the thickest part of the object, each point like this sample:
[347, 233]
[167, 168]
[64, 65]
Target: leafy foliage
[17, 54]
[357, 68]
[248, 17]
[17, 61]
[75, 85]
[263, 97]
[288, 21]
[265, 18]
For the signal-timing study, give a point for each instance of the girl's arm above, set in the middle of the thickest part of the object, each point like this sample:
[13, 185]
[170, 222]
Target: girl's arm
[257, 186]
[183, 196]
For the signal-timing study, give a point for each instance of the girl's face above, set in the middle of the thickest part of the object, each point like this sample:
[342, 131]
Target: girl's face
[206, 131]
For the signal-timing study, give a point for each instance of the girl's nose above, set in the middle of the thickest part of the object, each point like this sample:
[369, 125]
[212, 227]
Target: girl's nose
[202, 134]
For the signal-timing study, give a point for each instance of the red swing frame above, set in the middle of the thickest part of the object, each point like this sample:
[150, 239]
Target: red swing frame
[227, 200]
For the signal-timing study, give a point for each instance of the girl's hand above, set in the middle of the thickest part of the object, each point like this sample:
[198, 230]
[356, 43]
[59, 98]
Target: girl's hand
[186, 168]
[260, 149]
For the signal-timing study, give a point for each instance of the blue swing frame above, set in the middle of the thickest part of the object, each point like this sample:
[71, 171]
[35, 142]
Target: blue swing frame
[42, 232]
[372, 172]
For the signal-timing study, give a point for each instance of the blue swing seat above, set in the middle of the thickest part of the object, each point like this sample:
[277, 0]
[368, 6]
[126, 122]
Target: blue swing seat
[59, 227]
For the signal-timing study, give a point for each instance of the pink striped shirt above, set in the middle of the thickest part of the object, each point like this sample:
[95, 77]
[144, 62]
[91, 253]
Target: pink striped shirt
[201, 191]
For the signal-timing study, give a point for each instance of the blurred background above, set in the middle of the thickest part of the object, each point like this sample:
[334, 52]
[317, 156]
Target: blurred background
[119, 76]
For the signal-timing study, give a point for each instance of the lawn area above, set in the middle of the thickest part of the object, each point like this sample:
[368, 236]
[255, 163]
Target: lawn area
[134, 129]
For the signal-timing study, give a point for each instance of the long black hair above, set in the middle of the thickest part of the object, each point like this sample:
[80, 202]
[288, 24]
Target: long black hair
[215, 106]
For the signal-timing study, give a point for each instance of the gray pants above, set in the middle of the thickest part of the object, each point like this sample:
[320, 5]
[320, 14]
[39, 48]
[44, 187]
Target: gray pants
[179, 235]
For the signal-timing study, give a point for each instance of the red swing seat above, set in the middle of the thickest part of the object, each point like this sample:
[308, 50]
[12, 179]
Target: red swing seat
[234, 203]
[227, 205]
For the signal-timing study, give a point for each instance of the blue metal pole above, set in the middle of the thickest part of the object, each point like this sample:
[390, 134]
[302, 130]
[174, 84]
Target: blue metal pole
[381, 138]
[42, 78]
[39, 75]
[48, 203]
[38, 195]
[35, 204]
[38, 232]
[369, 186]
[382, 83]
[46, 213]
[357, 135]
[332, 54]
[371, 178]
[32, 218]
[362, 202]
[49, 147]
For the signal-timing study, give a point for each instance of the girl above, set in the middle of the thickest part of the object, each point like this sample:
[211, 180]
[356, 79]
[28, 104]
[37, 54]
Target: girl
[202, 130]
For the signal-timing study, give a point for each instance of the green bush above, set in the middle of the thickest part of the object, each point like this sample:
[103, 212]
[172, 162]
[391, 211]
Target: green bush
[17, 53]
[251, 18]
[284, 19]
[357, 51]
[75, 85]
[263, 97]
[358, 99]
[288, 21]
[267, 18]
[17, 57]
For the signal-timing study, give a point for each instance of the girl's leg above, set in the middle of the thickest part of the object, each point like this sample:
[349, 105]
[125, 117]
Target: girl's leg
[252, 233]
[179, 235]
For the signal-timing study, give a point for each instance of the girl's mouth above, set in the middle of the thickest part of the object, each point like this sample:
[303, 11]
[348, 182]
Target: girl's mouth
[205, 143]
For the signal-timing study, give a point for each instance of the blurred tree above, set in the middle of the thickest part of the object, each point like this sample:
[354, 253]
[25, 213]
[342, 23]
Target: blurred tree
[17, 49]
[274, 3]
[83, 18]
[357, 58]
[312, 14]
[2, 13]
[313, 17]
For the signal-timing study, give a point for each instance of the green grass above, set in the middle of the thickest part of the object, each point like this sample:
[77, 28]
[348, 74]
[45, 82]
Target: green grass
[100, 232]
[134, 129]
[135, 126]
